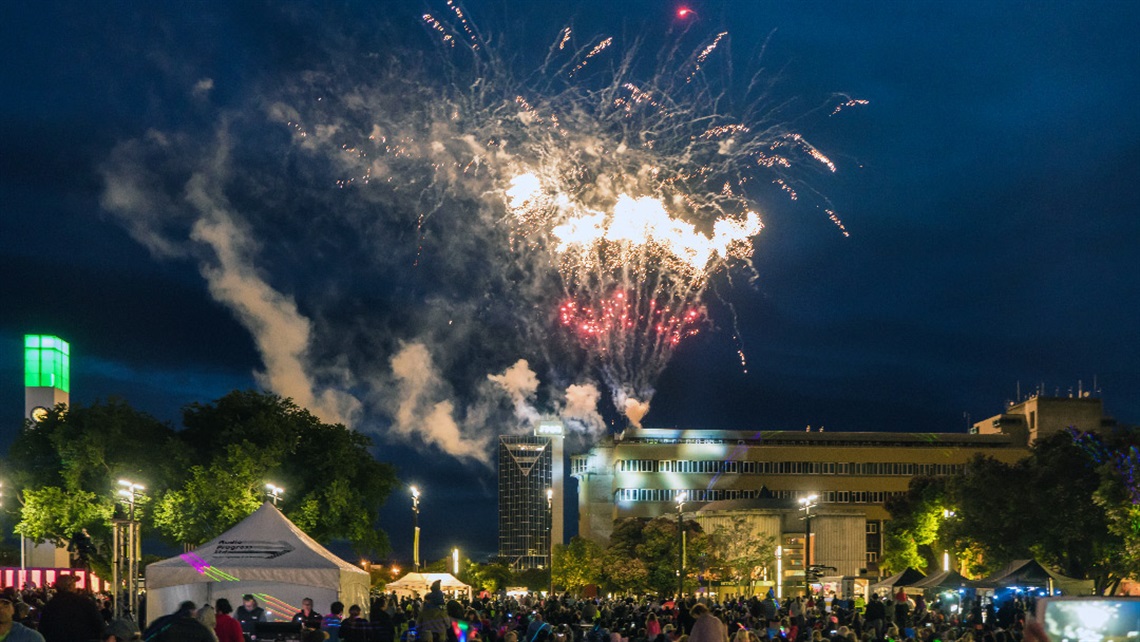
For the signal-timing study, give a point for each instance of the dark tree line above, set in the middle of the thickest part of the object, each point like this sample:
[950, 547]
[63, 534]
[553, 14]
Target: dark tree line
[200, 479]
[1070, 505]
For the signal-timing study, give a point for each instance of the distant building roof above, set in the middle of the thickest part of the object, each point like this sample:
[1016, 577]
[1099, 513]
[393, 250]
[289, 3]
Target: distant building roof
[796, 437]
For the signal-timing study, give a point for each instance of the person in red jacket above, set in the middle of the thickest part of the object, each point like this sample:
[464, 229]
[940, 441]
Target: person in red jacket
[226, 628]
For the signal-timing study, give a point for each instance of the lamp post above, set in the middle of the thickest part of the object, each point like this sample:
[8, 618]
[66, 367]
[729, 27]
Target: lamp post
[126, 554]
[680, 545]
[416, 526]
[550, 537]
[779, 573]
[946, 514]
[274, 492]
[455, 562]
[806, 504]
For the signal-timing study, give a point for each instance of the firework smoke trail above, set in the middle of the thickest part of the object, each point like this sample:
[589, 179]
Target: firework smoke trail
[571, 213]
[634, 190]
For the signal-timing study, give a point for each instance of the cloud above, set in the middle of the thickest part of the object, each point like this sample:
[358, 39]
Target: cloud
[202, 87]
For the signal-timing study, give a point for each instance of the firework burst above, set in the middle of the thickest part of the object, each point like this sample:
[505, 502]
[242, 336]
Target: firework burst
[633, 188]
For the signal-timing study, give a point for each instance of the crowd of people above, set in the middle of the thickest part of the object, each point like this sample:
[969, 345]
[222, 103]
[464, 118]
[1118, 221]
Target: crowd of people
[62, 614]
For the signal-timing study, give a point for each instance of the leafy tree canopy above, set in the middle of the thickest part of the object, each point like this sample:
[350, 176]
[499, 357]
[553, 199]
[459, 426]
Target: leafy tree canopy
[577, 565]
[1072, 505]
[203, 479]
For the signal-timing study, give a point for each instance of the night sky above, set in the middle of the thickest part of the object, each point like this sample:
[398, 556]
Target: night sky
[989, 185]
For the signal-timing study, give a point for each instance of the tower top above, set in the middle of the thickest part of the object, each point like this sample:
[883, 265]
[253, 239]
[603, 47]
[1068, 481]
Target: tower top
[47, 362]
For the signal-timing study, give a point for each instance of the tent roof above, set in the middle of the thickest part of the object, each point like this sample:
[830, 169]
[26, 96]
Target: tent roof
[261, 546]
[944, 580]
[425, 580]
[1023, 573]
[905, 578]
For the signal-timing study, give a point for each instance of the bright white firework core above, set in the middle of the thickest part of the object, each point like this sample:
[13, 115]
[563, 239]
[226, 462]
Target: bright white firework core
[641, 220]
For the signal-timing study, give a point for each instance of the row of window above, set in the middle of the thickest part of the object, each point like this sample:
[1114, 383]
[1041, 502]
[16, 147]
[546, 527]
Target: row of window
[579, 465]
[718, 494]
[716, 466]
[924, 441]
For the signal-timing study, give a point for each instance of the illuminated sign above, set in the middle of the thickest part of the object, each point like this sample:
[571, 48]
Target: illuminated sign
[47, 362]
[550, 429]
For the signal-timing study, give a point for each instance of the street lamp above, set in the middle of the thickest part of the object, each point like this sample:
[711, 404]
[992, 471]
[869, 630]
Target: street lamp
[779, 572]
[550, 537]
[130, 491]
[946, 514]
[126, 552]
[274, 492]
[416, 525]
[680, 499]
[806, 504]
[455, 562]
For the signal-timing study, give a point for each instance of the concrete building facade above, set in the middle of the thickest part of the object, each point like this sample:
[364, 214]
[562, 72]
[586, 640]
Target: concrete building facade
[1037, 417]
[641, 473]
[836, 539]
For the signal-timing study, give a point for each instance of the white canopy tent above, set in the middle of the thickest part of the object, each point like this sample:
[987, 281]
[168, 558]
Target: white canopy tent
[419, 584]
[265, 555]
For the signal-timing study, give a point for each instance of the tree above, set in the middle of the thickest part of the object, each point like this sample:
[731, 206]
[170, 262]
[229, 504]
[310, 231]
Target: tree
[577, 564]
[622, 573]
[534, 579]
[65, 469]
[916, 520]
[334, 487]
[643, 554]
[1068, 505]
[201, 480]
[489, 577]
[213, 499]
[738, 553]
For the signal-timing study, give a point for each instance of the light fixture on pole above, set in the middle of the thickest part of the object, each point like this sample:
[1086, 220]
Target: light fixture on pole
[946, 514]
[126, 552]
[779, 572]
[274, 492]
[455, 562]
[680, 499]
[416, 526]
[130, 491]
[550, 537]
[806, 504]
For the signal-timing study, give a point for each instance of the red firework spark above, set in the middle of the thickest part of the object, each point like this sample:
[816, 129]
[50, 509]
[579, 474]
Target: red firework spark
[606, 321]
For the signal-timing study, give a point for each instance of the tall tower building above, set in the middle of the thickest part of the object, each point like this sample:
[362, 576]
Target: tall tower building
[47, 374]
[47, 382]
[531, 492]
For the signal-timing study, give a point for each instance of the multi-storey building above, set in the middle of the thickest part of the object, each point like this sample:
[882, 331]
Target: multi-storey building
[729, 474]
[641, 473]
[531, 491]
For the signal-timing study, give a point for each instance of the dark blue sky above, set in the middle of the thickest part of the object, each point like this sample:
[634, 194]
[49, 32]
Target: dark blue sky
[990, 188]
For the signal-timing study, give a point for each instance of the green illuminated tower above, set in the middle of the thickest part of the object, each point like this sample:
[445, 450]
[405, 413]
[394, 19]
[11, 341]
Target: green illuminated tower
[47, 382]
[47, 374]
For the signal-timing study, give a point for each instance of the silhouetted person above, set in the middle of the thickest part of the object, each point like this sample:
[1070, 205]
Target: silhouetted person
[69, 616]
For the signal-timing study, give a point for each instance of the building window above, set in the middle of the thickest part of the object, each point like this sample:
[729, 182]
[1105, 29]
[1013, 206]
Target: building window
[872, 557]
[872, 528]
